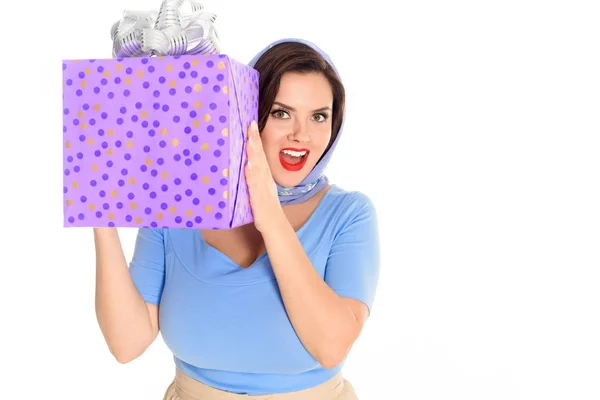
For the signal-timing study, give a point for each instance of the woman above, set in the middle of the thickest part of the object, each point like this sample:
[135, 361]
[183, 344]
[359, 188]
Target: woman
[269, 309]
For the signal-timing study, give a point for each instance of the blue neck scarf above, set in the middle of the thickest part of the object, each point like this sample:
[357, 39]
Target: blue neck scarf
[316, 179]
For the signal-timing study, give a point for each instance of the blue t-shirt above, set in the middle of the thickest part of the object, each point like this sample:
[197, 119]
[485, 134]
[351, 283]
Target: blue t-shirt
[226, 325]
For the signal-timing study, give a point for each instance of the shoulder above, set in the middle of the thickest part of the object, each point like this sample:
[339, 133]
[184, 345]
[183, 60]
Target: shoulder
[352, 202]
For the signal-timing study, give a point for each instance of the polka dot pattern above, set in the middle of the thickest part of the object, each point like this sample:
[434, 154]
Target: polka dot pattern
[157, 142]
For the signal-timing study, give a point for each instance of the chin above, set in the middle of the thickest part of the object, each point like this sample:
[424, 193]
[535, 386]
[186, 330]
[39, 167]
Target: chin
[289, 179]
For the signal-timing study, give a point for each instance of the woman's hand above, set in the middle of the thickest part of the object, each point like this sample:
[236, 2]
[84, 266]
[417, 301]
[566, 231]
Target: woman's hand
[264, 200]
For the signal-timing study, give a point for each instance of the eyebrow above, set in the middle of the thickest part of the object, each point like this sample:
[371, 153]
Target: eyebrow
[293, 109]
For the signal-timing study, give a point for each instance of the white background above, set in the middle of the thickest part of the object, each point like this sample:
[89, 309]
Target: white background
[473, 126]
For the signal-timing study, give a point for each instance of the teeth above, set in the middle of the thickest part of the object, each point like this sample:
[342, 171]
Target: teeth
[294, 153]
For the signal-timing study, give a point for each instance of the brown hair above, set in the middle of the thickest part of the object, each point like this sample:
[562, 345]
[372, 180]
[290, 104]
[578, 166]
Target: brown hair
[296, 57]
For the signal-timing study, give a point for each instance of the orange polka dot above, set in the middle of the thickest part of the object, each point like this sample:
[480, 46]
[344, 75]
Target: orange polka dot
[87, 71]
[197, 87]
[225, 89]
[83, 84]
[140, 74]
[208, 208]
[96, 107]
[109, 152]
[148, 162]
[196, 123]
[69, 202]
[111, 215]
[205, 179]
[110, 132]
[138, 220]
[225, 132]
[144, 114]
[80, 114]
[75, 185]
[198, 104]
[128, 81]
[173, 84]
[113, 193]
[221, 65]
[204, 146]
[169, 68]
[68, 144]
[132, 180]
[164, 131]
[119, 67]
[172, 209]
[175, 142]
[226, 194]
[129, 144]
[106, 73]
[164, 174]
[133, 205]
[188, 213]
[206, 117]
[159, 216]
[92, 207]
[94, 167]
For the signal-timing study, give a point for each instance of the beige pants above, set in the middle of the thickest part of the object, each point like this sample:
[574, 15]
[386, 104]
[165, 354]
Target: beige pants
[184, 387]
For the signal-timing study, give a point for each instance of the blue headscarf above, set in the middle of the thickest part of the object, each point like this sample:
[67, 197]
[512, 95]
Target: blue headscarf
[316, 179]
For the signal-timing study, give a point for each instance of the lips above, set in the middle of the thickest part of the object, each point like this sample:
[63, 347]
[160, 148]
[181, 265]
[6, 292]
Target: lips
[293, 159]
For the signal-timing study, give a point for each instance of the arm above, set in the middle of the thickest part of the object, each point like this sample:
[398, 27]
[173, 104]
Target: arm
[128, 324]
[328, 315]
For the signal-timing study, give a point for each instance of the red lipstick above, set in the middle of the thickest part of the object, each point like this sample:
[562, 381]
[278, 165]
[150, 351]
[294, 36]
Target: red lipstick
[293, 166]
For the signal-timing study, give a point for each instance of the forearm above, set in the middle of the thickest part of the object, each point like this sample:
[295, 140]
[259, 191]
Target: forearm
[120, 309]
[324, 323]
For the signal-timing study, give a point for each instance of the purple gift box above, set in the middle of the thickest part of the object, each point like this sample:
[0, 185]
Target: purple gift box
[157, 141]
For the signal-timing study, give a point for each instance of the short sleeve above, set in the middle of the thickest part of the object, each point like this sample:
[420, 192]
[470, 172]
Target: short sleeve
[147, 267]
[353, 264]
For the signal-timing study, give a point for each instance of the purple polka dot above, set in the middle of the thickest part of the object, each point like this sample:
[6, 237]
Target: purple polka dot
[121, 182]
[189, 224]
[81, 138]
[104, 115]
[222, 119]
[194, 138]
[177, 197]
[119, 205]
[127, 156]
[153, 224]
[98, 214]
[210, 128]
[126, 93]
[165, 108]
[145, 124]
[82, 75]
[164, 206]
[222, 204]
[156, 123]
[187, 130]
[118, 143]
[172, 91]
[204, 80]
[164, 188]
[69, 82]
[184, 104]
[178, 219]
[213, 106]
[143, 168]
[76, 169]
[138, 105]
[100, 68]
[117, 80]
[129, 134]
[71, 219]
[92, 121]
[188, 192]
[221, 142]
[186, 65]
[104, 81]
[152, 195]
[79, 92]
[196, 201]
[216, 88]
[156, 106]
[220, 77]
[129, 71]
[93, 182]
[70, 158]
[223, 181]
[151, 68]
[194, 74]
[181, 75]
[176, 118]
[96, 90]
[188, 162]
[134, 118]
[120, 121]
[188, 89]
[124, 171]
[217, 153]
[214, 168]
[146, 186]
[128, 218]
[160, 161]
[102, 193]
[177, 181]
[211, 191]
[162, 143]
[111, 224]
[80, 155]
[197, 157]
[198, 220]
[105, 177]
[130, 196]
[97, 153]
[104, 145]
[105, 206]
[147, 148]
[162, 79]
[80, 216]
[193, 114]
[144, 61]
[156, 93]
[146, 85]
[123, 110]
[67, 172]
[148, 210]
[218, 215]
[194, 176]
[66, 111]
[154, 173]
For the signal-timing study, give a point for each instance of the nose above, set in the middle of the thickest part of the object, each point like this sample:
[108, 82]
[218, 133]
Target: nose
[300, 133]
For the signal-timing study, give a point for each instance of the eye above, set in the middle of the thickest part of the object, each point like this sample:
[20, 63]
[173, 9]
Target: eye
[321, 117]
[281, 114]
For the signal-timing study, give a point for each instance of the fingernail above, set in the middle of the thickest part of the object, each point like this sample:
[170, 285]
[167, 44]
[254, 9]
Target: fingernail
[254, 126]
[249, 165]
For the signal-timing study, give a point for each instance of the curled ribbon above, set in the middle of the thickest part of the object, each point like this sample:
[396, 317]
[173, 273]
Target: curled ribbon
[170, 32]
